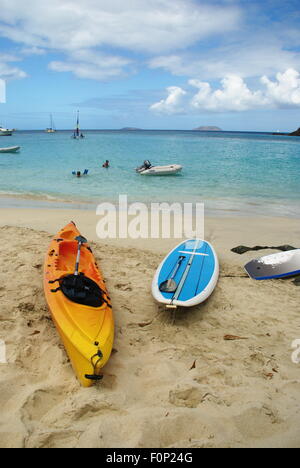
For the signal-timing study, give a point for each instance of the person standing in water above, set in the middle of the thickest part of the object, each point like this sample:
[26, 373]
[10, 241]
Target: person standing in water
[106, 164]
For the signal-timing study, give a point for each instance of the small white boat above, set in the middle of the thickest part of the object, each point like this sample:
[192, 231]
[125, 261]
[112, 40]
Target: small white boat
[5, 132]
[12, 149]
[148, 169]
[52, 128]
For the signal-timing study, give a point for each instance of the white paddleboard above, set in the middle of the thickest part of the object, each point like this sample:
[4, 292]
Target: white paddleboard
[278, 265]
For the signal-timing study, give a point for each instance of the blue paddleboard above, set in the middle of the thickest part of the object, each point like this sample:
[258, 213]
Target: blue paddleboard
[188, 275]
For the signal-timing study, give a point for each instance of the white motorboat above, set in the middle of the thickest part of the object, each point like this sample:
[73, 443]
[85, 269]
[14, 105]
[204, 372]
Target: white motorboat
[5, 132]
[148, 169]
[12, 149]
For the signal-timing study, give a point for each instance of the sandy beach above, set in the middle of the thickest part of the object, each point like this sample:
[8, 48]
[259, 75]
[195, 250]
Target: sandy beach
[169, 383]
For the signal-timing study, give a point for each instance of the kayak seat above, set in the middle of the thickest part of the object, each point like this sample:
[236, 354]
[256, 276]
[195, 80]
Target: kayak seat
[67, 234]
[82, 290]
[67, 254]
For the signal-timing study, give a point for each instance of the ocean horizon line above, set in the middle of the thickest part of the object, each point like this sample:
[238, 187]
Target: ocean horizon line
[156, 130]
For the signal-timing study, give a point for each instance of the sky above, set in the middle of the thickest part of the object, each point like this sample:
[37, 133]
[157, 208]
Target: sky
[152, 64]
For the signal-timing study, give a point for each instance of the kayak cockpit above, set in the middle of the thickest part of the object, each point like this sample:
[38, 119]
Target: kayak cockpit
[82, 290]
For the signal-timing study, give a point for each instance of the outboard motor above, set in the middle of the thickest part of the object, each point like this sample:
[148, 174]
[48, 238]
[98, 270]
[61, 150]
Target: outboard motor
[147, 165]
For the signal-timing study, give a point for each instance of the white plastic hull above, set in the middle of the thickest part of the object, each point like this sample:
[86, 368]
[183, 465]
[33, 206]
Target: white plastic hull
[278, 265]
[162, 170]
[13, 149]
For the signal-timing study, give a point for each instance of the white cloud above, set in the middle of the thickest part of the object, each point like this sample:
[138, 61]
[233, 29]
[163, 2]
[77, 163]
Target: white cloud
[234, 95]
[8, 71]
[32, 51]
[147, 26]
[172, 104]
[284, 91]
[140, 25]
[260, 56]
[9, 58]
[91, 65]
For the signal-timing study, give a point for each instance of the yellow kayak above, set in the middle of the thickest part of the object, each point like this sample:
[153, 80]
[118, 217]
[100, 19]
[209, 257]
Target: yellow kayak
[79, 304]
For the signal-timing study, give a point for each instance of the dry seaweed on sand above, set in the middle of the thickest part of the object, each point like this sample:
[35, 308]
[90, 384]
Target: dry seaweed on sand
[241, 249]
[234, 337]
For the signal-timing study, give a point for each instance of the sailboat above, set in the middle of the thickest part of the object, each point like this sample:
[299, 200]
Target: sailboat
[52, 128]
[77, 134]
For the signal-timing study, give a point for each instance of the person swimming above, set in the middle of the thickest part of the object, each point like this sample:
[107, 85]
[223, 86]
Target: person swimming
[106, 164]
[79, 174]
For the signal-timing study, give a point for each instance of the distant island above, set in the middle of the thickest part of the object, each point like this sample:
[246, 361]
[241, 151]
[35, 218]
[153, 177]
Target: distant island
[208, 129]
[296, 133]
[130, 129]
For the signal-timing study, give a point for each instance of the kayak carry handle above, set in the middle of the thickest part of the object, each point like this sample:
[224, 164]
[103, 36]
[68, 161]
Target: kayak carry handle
[94, 378]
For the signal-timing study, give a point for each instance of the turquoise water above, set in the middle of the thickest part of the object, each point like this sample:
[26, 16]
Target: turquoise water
[229, 172]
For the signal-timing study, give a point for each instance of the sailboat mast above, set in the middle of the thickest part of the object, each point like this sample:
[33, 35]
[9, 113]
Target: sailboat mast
[77, 133]
[51, 129]
[77, 129]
